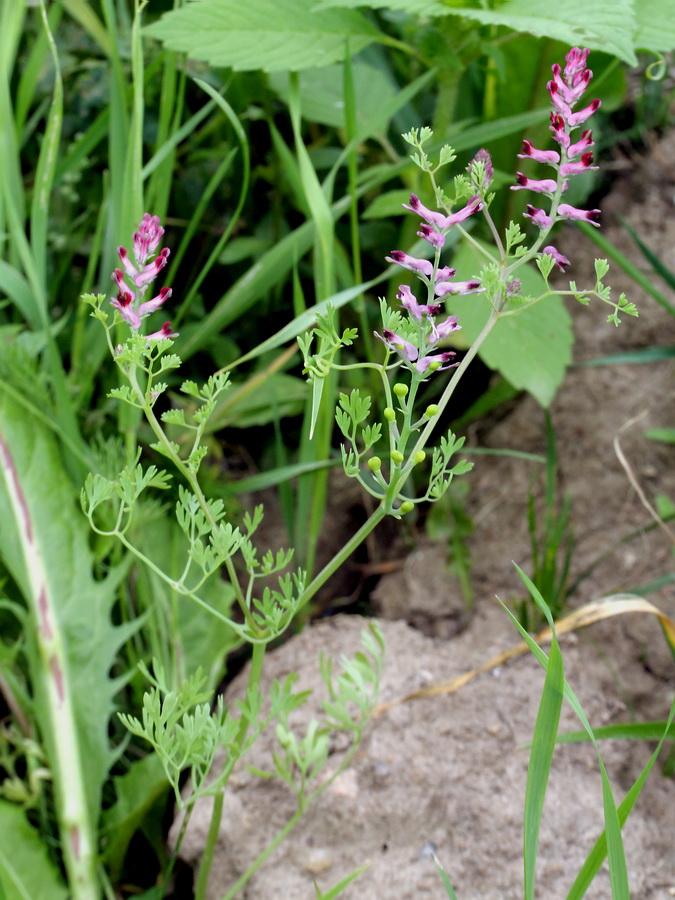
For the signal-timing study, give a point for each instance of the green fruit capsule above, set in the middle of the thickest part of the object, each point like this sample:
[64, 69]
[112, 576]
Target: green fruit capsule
[419, 456]
[431, 411]
[400, 390]
[406, 506]
[389, 414]
[374, 463]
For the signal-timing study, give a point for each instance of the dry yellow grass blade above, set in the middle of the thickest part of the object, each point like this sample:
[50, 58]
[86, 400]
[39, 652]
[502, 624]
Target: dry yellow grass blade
[607, 608]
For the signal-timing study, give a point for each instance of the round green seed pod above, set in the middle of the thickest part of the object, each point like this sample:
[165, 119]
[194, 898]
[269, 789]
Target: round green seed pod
[419, 456]
[374, 463]
[406, 506]
[389, 414]
[400, 390]
[431, 411]
[396, 457]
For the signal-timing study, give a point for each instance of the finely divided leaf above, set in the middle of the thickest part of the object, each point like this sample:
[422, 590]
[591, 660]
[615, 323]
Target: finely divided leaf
[272, 35]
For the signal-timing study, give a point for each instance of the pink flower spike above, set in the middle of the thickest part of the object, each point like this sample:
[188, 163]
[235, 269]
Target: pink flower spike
[560, 261]
[436, 239]
[164, 333]
[419, 266]
[585, 215]
[396, 342]
[571, 89]
[443, 329]
[436, 362]
[151, 306]
[123, 303]
[581, 165]
[581, 146]
[543, 186]
[539, 217]
[551, 157]
[443, 288]
[409, 302]
[578, 118]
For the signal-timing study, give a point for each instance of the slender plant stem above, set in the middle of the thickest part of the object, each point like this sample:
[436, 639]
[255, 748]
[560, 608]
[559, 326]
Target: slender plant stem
[254, 676]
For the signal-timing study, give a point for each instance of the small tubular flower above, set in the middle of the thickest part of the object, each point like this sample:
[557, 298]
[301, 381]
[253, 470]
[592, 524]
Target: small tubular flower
[581, 146]
[542, 186]
[416, 310]
[435, 238]
[419, 266]
[443, 288]
[123, 303]
[400, 345]
[438, 220]
[443, 329]
[585, 215]
[538, 216]
[551, 157]
[560, 261]
[164, 333]
[150, 306]
[584, 164]
[436, 362]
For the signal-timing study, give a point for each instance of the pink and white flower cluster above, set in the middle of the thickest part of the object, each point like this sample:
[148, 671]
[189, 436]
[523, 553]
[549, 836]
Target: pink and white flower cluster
[437, 283]
[133, 282]
[565, 90]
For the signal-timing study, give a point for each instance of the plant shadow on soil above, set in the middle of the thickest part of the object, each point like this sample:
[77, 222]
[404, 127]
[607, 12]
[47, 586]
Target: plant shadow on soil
[451, 770]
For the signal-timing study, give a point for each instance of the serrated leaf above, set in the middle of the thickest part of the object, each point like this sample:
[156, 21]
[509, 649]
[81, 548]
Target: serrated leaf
[272, 35]
[532, 349]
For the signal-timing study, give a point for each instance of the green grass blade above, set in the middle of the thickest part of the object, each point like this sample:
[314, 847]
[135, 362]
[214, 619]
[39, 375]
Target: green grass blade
[616, 855]
[597, 855]
[539, 769]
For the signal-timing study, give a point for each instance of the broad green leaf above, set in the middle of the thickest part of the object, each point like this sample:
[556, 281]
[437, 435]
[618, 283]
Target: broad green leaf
[656, 26]
[531, 350]
[272, 35]
[26, 871]
[597, 24]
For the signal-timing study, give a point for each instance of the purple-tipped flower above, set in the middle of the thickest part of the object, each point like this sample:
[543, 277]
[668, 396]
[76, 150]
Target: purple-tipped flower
[435, 238]
[436, 362]
[123, 303]
[419, 266]
[443, 288]
[528, 151]
[581, 146]
[543, 186]
[583, 215]
[416, 310]
[559, 259]
[443, 329]
[438, 220]
[141, 272]
[164, 333]
[584, 164]
[400, 345]
[538, 216]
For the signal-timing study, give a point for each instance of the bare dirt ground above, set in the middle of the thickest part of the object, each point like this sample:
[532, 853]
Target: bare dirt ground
[451, 769]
